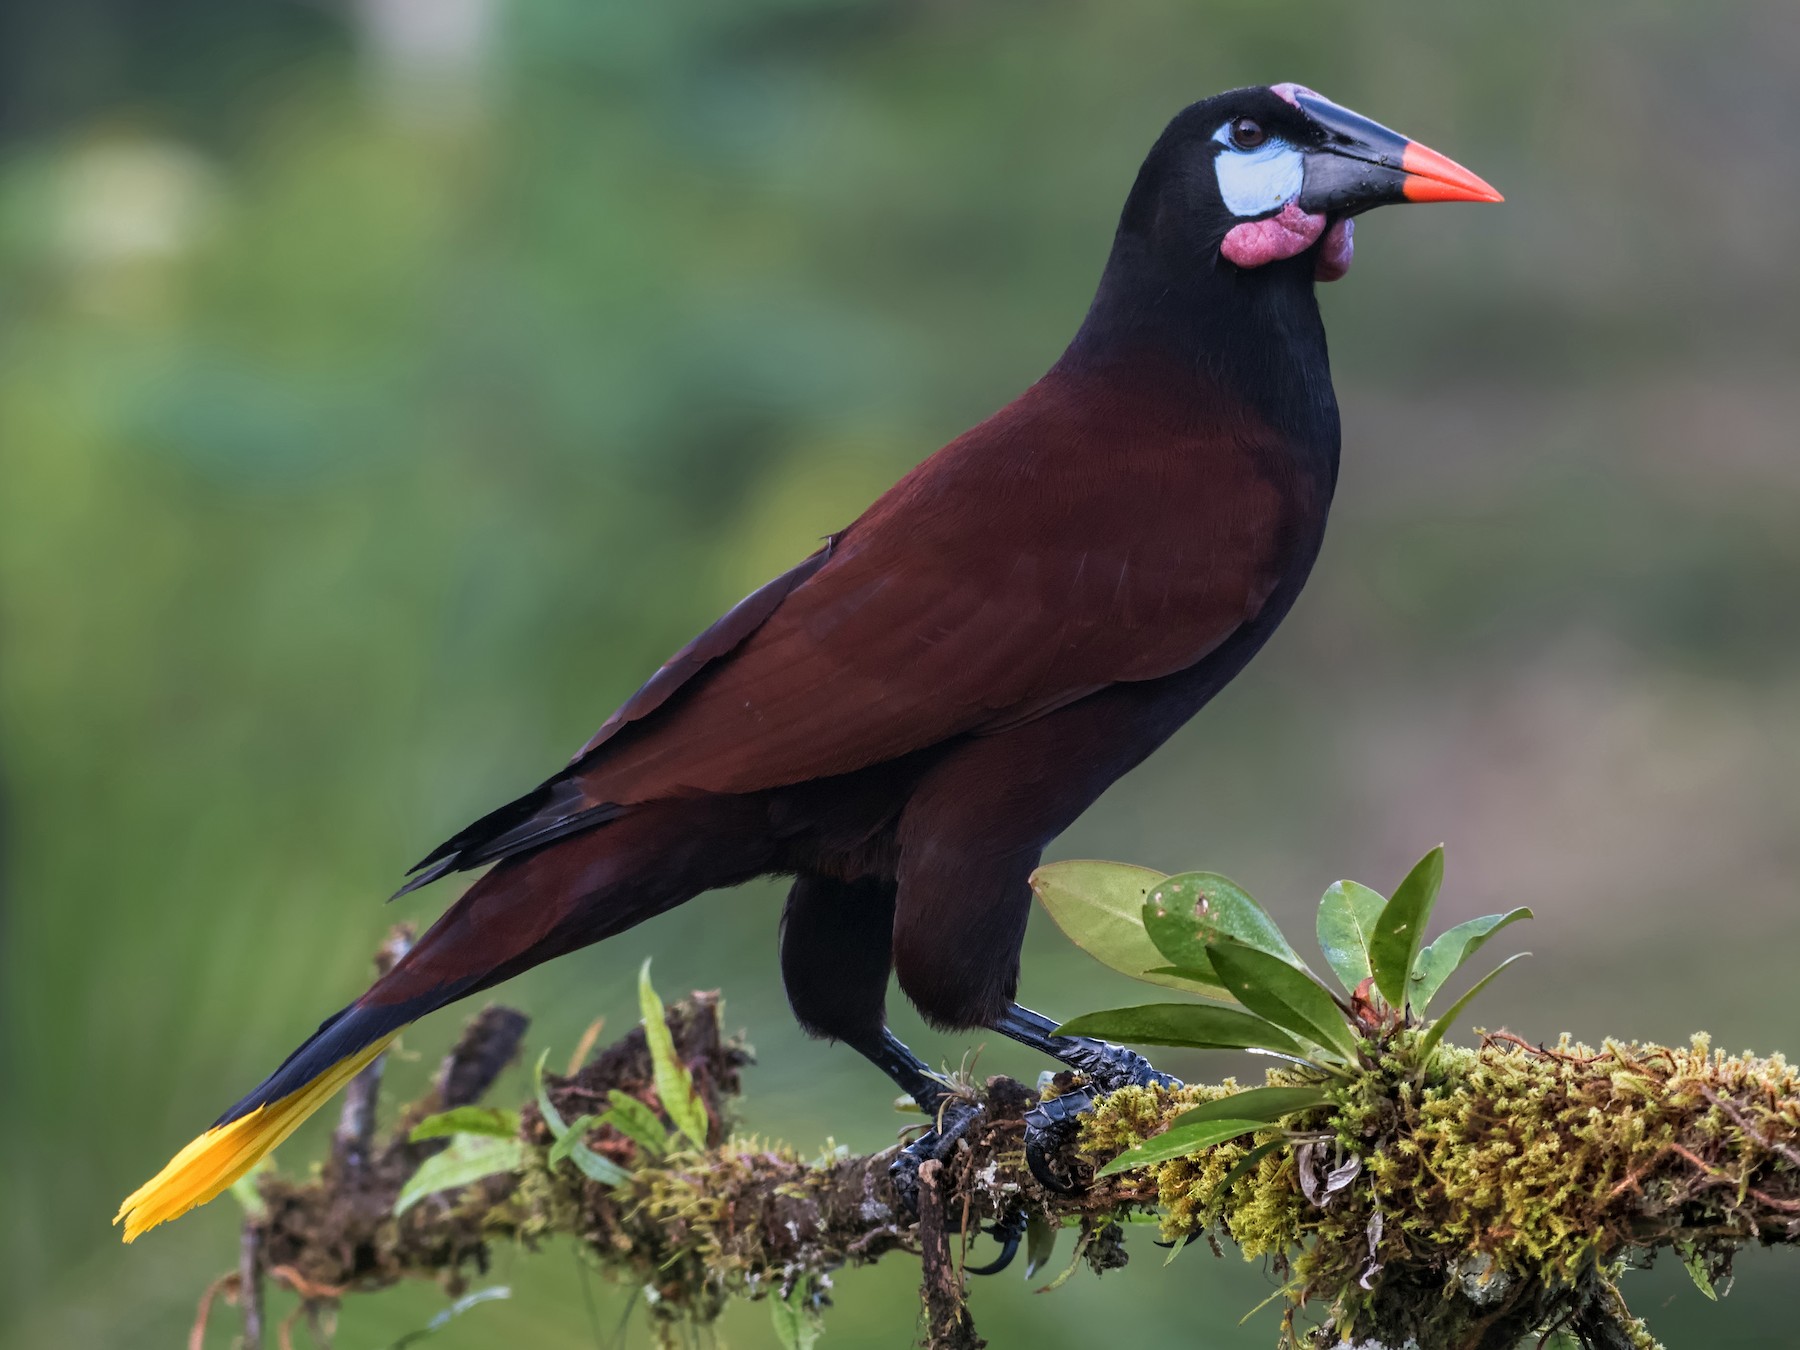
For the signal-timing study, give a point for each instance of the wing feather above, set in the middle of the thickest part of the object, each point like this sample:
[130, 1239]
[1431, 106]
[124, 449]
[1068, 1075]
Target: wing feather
[1046, 554]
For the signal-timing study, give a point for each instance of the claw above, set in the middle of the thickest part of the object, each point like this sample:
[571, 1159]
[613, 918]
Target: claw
[1048, 1126]
[955, 1117]
[1008, 1232]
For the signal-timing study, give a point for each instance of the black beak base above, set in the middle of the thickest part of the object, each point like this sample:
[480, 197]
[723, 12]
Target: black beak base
[1359, 165]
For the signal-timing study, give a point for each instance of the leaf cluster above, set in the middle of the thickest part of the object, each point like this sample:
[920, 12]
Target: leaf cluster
[485, 1141]
[1203, 934]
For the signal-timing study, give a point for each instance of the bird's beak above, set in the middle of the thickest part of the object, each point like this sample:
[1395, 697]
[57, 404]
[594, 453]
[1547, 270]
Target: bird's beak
[1362, 164]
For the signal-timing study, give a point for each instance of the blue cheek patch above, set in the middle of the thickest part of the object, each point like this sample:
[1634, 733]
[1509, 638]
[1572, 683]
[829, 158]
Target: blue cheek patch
[1255, 182]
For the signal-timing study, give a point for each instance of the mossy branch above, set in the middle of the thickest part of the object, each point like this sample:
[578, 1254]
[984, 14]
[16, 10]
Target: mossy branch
[1496, 1197]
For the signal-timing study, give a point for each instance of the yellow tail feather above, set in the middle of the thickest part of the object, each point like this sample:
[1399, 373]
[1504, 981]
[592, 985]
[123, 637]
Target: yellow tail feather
[224, 1153]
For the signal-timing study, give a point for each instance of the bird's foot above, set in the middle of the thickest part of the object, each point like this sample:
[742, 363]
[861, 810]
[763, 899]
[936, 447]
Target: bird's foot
[956, 1116]
[1049, 1127]
[1052, 1124]
[1110, 1067]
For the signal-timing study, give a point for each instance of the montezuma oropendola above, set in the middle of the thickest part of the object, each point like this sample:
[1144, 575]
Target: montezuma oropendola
[904, 720]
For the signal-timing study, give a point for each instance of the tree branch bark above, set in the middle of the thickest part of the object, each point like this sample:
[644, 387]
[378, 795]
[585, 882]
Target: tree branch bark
[1653, 1148]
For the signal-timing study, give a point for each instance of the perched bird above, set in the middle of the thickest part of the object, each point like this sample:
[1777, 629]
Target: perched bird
[904, 720]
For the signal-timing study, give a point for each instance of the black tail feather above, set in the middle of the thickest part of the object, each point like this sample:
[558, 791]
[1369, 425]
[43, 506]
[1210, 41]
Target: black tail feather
[339, 1036]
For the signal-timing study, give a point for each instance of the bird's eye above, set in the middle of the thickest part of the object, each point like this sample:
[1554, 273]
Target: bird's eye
[1247, 133]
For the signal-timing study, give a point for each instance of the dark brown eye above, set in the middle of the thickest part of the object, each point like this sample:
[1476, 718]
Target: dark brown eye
[1247, 133]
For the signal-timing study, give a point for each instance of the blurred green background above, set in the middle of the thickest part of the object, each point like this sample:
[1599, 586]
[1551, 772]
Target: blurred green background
[387, 387]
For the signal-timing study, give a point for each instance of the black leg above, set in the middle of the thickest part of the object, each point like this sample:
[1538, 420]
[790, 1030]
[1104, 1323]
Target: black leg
[953, 1116]
[836, 952]
[890, 1054]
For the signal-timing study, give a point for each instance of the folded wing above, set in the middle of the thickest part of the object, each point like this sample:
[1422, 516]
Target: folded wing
[926, 620]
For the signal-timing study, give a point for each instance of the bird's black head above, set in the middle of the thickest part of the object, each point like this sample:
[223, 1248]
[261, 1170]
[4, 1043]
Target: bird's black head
[1260, 175]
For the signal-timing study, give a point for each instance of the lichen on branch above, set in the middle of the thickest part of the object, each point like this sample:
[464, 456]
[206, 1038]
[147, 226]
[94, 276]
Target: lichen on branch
[1499, 1194]
[1495, 1196]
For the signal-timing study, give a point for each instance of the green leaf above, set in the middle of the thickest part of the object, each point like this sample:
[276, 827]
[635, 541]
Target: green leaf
[246, 1191]
[1179, 1143]
[469, 1158]
[571, 1138]
[596, 1168]
[1267, 1104]
[1100, 908]
[1081, 1247]
[1040, 1243]
[797, 1323]
[1429, 1041]
[547, 1108]
[1249, 1160]
[1347, 914]
[571, 1146]
[1202, 982]
[455, 1310]
[674, 1084]
[637, 1122]
[1184, 913]
[1695, 1264]
[1198, 1026]
[1398, 932]
[1444, 957]
[1290, 998]
[467, 1120]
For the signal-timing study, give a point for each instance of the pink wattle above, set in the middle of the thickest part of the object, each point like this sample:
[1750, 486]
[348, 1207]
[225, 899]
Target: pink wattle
[1336, 253]
[1289, 231]
[1256, 243]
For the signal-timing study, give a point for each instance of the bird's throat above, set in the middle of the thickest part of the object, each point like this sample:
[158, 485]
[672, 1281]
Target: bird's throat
[1213, 325]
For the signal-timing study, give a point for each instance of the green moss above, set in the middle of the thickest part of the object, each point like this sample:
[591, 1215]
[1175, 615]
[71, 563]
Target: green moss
[1500, 1178]
[1132, 1114]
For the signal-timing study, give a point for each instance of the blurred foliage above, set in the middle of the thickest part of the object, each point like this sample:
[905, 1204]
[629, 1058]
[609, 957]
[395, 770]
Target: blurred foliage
[386, 388]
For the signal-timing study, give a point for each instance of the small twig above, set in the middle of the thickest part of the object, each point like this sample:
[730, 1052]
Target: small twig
[222, 1285]
[284, 1334]
[1508, 1038]
[355, 1135]
[1756, 1136]
[585, 1046]
[250, 1290]
[948, 1325]
[310, 1291]
[487, 1045]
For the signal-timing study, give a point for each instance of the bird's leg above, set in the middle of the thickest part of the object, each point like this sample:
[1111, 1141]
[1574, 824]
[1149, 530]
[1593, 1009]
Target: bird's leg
[952, 1114]
[892, 1056]
[1107, 1067]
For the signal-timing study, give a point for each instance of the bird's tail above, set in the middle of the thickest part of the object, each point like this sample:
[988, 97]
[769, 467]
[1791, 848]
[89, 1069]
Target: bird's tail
[526, 910]
[449, 962]
[244, 1134]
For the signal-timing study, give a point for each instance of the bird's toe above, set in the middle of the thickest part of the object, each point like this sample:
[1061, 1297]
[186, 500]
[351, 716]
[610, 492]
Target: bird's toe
[955, 1118]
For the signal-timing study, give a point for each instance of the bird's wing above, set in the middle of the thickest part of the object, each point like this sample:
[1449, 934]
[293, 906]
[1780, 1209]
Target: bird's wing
[1024, 566]
[557, 807]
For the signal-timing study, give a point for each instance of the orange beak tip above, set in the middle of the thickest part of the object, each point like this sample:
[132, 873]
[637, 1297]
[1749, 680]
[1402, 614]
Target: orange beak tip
[1431, 177]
